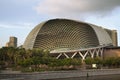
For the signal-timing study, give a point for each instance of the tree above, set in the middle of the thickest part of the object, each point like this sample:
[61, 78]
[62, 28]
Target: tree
[26, 62]
[76, 62]
[89, 61]
[109, 61]
[3, 54]
[11, 52]
[98, 60]
[117, 62]
[22, 54]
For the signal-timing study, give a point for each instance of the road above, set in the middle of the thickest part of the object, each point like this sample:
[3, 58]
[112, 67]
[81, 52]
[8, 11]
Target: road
[56, 74]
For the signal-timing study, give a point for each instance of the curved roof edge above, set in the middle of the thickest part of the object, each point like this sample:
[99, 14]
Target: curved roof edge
[103, 39]
[28, 44]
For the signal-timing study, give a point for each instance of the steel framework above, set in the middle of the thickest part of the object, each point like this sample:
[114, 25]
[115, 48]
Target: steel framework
[83, 53]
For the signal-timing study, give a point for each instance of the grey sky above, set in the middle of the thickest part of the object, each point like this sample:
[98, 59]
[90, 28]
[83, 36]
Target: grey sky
[77, 8]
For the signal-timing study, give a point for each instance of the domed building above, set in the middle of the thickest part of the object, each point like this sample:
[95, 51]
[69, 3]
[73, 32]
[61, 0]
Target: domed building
[66, 36]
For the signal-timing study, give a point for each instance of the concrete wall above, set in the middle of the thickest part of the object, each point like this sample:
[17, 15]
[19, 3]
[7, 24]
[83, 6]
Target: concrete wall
[112, 53]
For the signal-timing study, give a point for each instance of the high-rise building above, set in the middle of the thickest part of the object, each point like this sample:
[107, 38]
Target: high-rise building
[12, 42]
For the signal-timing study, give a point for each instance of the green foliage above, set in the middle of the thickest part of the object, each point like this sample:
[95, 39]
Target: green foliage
[112, 61]
[76, 62]
[98, 60]
[25, 63]
[89, 61]
[54, 62]
[2, 65]
[36, 57]
[117, 62]
[64, 62]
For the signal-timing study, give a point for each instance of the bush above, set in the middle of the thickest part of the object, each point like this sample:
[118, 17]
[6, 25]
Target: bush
[2, 65]
[89, 61]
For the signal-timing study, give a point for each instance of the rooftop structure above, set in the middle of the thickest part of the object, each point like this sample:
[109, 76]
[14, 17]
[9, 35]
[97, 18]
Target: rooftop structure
[65, 35]
[69, 34]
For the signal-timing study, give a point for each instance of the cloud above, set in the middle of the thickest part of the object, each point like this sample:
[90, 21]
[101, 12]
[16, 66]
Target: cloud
[76, 8]
[17, 26]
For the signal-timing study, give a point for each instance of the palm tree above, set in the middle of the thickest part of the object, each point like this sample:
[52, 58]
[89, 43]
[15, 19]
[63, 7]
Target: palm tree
[22, 53]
